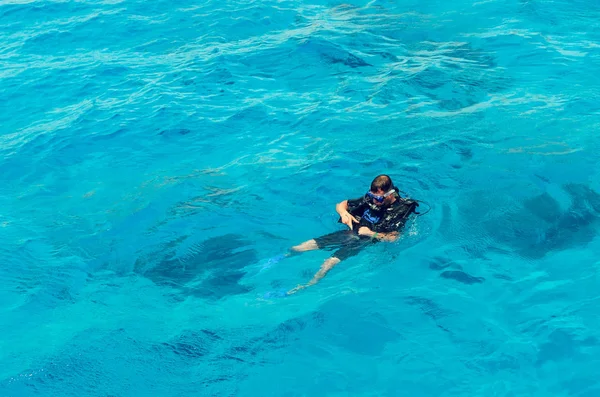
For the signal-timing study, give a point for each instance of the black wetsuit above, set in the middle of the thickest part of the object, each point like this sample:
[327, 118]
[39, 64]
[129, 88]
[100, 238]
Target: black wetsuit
[385, 220]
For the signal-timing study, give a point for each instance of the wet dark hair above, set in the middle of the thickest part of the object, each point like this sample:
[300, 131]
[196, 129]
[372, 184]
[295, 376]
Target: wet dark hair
[382, 182]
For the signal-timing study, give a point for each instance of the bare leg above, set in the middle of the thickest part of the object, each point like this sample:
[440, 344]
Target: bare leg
[325, 267]
[309, 245]
[341, 237]
[350, 249]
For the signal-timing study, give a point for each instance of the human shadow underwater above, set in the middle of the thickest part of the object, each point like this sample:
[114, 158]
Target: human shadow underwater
[378, 216]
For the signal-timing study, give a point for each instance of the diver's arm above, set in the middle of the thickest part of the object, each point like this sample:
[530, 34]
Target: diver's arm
[390, 237]
[347, 218]
[342, 208]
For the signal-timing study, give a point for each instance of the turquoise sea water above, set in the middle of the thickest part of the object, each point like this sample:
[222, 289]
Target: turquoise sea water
[155, 154]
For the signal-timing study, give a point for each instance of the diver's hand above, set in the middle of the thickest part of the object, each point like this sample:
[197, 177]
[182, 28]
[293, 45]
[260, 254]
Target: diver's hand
[365, 231]
[347, 220]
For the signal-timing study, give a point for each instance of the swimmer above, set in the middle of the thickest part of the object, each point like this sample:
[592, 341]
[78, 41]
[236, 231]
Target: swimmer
[378, 216]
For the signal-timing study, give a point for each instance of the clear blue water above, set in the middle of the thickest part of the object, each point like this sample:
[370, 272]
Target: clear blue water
[155, 154]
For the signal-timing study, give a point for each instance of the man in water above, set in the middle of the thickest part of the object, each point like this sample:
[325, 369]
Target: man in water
[378, 216]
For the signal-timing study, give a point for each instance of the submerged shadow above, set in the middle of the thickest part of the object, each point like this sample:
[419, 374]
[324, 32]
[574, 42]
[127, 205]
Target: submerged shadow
[210, 268]
[533, 229]
[557, 230]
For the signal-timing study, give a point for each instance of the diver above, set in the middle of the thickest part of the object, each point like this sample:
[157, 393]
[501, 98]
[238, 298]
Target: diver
[378, 216]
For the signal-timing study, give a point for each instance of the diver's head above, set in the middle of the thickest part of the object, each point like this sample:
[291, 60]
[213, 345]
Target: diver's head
[382, 192]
